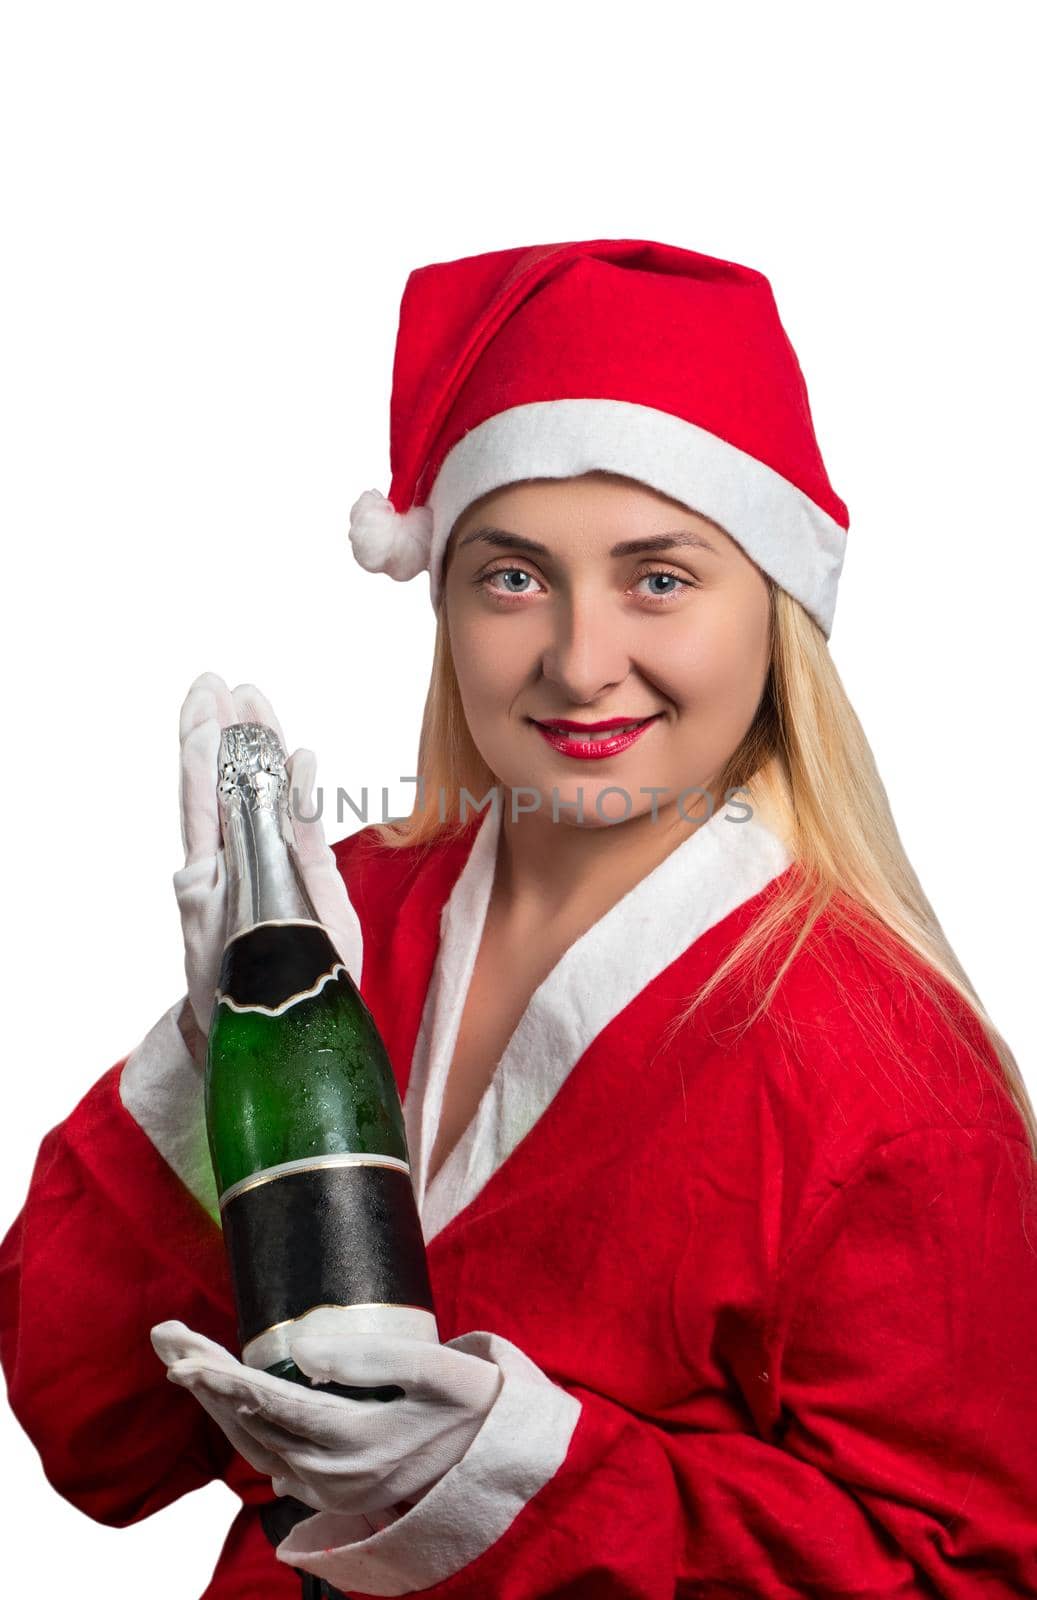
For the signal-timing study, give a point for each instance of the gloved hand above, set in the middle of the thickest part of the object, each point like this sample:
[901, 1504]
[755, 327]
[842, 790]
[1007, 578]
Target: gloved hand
[332, 1453]
[200, 884]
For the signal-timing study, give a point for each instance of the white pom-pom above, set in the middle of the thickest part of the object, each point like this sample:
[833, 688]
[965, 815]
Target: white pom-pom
[387, 540]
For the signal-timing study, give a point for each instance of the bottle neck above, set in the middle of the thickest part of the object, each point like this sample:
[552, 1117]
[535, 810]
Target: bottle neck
[262, 885]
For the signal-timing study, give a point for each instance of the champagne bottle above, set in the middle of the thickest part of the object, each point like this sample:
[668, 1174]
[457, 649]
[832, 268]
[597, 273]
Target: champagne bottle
[304, 1119]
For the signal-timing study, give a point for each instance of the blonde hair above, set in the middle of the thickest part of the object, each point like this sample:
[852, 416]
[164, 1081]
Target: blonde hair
[806, 764]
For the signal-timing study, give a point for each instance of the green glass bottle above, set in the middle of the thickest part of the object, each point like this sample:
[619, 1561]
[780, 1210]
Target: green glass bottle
[304, 1120]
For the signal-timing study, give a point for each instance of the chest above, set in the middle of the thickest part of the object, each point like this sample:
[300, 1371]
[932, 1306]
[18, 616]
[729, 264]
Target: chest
[507, 970]
[624, 1241]
[612, 1189]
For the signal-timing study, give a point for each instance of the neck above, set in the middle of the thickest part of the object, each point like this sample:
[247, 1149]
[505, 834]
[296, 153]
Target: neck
[548, 869]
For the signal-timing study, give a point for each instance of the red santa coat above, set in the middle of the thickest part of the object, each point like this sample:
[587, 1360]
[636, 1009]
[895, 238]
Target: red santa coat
[765, 1302]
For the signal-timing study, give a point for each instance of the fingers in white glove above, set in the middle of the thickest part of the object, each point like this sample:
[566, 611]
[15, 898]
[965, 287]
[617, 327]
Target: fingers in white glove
[201, 893]
[191, 1358]
[175, 1341]
[422, 1368]
[207, 708]
[295, 1412]
[315, 862]
[238, 1424]
[296, 1421]
[207, 698]
[199, 812]
[328, 1451]
[200, 885]
[308, 839]
[252, 705]
[210, 706]
[210, 700]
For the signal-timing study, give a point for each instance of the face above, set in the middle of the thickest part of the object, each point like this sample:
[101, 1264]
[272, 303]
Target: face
[596, 599]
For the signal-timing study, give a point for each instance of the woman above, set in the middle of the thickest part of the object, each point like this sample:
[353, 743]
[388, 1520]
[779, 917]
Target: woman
[727, 1180]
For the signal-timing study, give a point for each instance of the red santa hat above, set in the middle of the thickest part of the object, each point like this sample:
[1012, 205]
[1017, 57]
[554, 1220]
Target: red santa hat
[623, 355]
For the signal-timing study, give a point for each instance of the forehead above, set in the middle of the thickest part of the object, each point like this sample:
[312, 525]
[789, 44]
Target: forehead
[596, 507]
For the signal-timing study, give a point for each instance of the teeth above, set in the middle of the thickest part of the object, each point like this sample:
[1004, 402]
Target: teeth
[602, 733]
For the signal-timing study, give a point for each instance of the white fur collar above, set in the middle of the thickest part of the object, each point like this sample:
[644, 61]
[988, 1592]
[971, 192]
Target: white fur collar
[716, 869]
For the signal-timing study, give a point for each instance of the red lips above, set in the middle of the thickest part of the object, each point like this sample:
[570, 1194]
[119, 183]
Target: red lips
[591, 749]
[586, 727]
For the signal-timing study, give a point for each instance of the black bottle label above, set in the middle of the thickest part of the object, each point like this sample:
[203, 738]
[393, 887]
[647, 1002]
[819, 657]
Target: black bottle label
[324, 1235]
[276, 962]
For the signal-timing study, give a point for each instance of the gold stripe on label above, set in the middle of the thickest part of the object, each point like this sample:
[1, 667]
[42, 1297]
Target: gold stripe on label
[344, 1158]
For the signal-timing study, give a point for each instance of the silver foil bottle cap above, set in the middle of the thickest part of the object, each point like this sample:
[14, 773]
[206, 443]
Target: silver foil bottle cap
[255, 820]
[252, 769]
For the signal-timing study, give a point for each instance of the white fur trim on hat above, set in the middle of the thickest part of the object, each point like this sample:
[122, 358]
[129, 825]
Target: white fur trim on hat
[387, 540]
[793, 539]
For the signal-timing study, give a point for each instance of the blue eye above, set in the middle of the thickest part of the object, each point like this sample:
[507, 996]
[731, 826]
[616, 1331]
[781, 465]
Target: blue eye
[503, 572]
[485, 581]
[675, 578]
[661, 594]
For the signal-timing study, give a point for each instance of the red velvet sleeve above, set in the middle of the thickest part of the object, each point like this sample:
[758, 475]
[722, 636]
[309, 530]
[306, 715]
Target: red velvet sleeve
[108, 1243]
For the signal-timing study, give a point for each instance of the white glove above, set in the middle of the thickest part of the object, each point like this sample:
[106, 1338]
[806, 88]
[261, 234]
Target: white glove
[332, 1453]
[200, 884]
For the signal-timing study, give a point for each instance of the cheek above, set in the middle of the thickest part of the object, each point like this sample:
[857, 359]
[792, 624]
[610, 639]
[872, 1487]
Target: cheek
[686, 666]
[719, 667]
[488, 672]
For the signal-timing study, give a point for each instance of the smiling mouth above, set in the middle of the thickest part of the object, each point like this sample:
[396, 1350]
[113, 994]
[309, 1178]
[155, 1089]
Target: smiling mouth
[578, 733]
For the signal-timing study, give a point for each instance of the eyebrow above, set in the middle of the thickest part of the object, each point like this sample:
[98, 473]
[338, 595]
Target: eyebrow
[500, 538]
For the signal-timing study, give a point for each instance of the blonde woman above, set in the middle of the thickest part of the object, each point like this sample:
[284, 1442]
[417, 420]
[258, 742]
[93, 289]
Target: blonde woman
[727, 1179]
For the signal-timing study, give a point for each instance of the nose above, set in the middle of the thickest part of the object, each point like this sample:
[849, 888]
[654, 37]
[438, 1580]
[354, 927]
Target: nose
[586, 652]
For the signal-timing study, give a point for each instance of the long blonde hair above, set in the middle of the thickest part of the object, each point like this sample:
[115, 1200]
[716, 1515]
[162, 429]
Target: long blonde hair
[806, 764]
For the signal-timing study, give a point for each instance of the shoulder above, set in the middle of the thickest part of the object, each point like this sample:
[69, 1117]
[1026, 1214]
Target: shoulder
[864, 1041]
[864, 1055]
[381, 878]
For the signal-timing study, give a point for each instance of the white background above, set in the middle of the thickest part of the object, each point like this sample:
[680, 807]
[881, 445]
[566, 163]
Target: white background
[209, 213]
